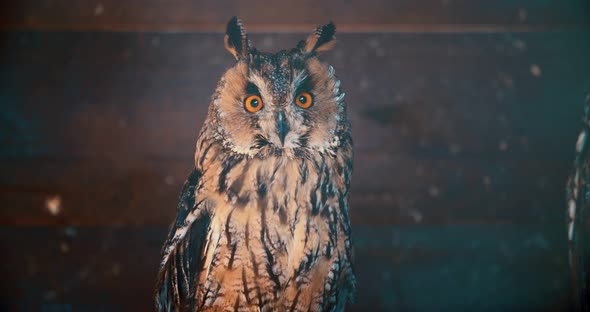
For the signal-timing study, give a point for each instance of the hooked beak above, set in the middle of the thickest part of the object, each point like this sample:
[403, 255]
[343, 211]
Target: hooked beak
[282, 126]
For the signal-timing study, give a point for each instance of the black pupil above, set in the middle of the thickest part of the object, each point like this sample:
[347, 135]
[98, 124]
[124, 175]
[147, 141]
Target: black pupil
[254, 103]
[302, 99]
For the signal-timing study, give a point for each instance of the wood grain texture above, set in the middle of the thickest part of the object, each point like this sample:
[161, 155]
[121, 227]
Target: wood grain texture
[99, 192]
[301, 15]
[456, 128]
[402, 268]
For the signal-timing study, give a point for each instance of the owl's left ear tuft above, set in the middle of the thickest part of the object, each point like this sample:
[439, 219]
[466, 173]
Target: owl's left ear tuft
[236, 38]
[320, 40]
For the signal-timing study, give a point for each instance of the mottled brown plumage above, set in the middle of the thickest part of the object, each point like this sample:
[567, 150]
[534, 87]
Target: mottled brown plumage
[263, 221]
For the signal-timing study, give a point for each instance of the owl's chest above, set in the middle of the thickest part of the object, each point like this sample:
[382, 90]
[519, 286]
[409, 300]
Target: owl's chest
[274, 191]
[259, 205]
[268, 217]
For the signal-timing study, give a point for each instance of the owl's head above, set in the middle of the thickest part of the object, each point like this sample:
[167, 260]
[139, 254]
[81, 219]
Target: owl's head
[286, 103]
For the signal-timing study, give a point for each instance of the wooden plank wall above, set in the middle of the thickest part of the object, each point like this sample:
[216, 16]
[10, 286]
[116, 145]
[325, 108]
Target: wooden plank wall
[465, 116]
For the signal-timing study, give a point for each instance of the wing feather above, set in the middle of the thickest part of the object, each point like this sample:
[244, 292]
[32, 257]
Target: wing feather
[182, 254]
[577, 202]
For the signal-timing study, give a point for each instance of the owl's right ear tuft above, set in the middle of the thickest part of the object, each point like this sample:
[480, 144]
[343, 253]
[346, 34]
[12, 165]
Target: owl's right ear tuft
[320, 40]
[236, 39]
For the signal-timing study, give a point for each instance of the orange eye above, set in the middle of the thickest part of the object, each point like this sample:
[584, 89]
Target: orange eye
[253, 103]
[304, 100]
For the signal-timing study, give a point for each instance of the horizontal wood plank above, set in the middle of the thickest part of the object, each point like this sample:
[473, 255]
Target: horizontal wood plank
[145, 192]
[301, 15]
[403, 268]
[447, 128]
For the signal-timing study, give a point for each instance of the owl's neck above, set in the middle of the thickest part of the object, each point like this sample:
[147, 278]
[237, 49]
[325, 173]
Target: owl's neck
[245, 180]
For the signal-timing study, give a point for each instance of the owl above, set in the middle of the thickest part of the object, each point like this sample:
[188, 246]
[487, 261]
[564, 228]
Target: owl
[577, 199]
[262, 221]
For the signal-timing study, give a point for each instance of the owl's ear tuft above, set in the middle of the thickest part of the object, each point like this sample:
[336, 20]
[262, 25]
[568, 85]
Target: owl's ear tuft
[320, 40]
[236, 39]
